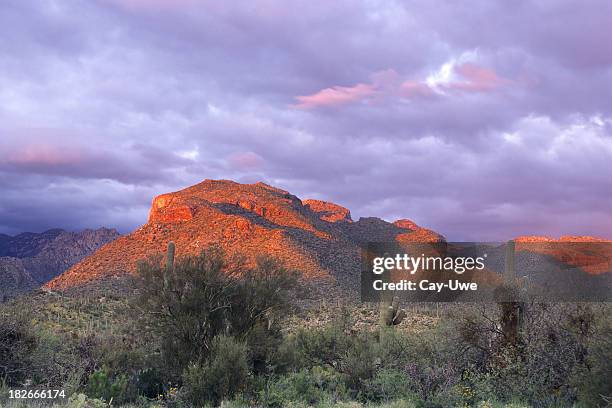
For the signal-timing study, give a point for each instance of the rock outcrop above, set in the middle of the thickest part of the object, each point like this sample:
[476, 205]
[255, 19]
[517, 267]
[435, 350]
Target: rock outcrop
[414, 233]
[329, 211]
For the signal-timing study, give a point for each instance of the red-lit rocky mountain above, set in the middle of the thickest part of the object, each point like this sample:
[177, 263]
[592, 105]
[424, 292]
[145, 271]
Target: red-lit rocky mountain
[28, 260]
[316, 237]
[590, 254]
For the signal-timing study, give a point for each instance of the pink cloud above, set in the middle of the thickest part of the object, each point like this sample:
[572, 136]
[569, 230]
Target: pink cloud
[334, 96]
[415, 89]
[476, 79]
[388, 83]
[246, 160]
[44, 155]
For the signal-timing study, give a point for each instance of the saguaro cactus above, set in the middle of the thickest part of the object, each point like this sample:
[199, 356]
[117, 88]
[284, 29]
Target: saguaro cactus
[170, 256]
[512, 312]
[509, 272]
[390, 313]
[169, 262]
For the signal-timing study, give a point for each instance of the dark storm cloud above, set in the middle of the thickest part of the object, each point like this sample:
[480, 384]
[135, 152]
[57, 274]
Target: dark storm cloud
[482, 122]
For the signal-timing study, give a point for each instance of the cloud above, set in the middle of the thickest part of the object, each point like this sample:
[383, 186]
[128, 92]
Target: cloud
[415, 89]
[246, 161]
[477, 78]
[43, 156]
[428, 110]
[334, 96]
[154, 5]
[466, 77]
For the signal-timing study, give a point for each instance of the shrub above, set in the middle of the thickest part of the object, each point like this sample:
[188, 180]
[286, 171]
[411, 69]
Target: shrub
[592, 381]
[261, 294]
[547, 366]
[150, 383]
[324, 346]
[263, 343]
[309, 386]
[205, 296]
[396, 348]
[430, 359]
[358, 362]
[387, 385]
[17, 344]
[52, 361]
[81, 401]
[224, 375]
[102, 386]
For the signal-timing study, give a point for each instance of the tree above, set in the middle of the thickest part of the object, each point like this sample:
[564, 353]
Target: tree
[188, 303]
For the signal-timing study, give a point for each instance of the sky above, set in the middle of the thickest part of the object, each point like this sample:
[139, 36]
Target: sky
[482, 122]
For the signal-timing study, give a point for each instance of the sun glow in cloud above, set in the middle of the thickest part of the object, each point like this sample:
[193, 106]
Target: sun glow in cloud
[442, 77]
[189, 154]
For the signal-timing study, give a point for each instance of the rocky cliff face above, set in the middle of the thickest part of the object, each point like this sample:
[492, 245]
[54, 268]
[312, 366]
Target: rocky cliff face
[29, 260]
[316, 237]
[328, 211]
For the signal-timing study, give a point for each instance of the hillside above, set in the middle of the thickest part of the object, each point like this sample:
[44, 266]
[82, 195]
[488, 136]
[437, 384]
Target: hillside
[29, 260]
[316, 237]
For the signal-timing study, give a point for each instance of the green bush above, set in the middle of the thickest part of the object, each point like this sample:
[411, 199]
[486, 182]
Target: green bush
[81, 401]
[387, 385]
[310, 386]
[309, 348]
[430, 359]
[392, 365]
[358, 363]
[395, 348]
[221, 377]
[102, 386]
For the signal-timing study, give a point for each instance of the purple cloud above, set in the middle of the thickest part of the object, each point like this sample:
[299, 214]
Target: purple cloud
[437, 112]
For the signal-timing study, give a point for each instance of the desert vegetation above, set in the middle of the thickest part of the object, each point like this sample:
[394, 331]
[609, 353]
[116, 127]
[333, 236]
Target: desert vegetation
[213, 330]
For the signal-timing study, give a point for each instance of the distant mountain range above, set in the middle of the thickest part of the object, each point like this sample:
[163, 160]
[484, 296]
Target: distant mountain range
[29, 260]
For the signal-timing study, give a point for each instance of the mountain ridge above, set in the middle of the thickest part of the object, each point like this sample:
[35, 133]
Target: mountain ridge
[317, 237]
[28, 260]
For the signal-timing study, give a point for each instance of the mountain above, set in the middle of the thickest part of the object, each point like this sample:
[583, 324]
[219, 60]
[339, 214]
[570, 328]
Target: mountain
[589, 254]
[4, 239]
[29, 260]
[316, 237]
[15, 278]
